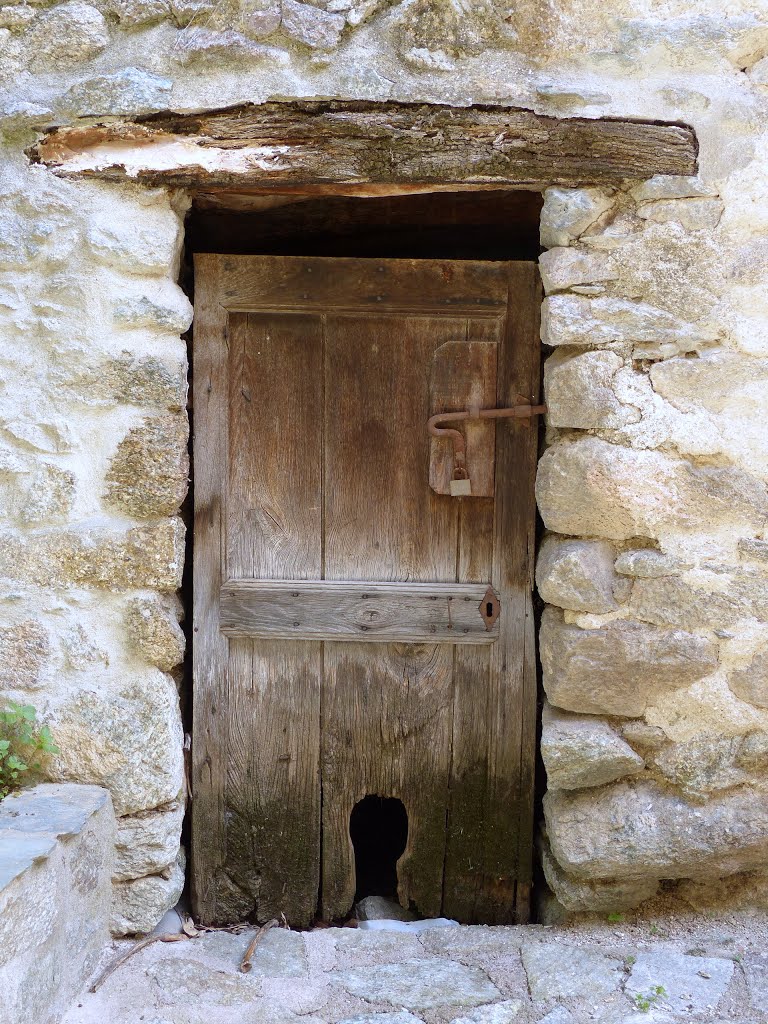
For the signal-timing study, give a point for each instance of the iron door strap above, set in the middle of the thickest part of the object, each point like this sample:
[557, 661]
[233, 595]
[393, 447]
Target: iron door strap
[521, 410]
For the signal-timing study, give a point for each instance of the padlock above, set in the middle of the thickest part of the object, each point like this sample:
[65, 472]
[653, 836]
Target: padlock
[460, 488]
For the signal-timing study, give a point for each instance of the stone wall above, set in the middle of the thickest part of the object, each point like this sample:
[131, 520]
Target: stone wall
[56, 855]
[655, 645]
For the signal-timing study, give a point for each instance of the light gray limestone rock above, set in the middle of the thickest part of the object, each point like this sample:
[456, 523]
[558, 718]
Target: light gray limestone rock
[130, 741]
[135, 13]
[56, 847]
[559, 970]
[420, 984]
[581, 750]
[752, 755]
[563, 267]
[395, 1017]
[756, 971]
[751, 683]
[580, 391]
[598, 895]
[147, 843]
[669, 186]
[568, 212]
[753, 548]
[691, 983]
[578, 320]
[138, 905]
[639, 830]
[312, 26]
[132, 245]
[377, 908]
[693, 214]
[67, 35]
[173, 314]
[130, 91]
[646, 563]
[577, 574]
[702, 765]
[675, 601]
[205, 45]
[621, 667]
[593, 488]
[506, 1012]
[280, 954]
[182, 981]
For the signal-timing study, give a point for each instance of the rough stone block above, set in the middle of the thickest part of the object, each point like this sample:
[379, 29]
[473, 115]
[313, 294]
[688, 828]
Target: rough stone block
[148, 842]
[639, 830]
[24, 650]
[129, 741]
[67, 35]
[578, 320]
[149, 556]
[312, 26]
[692, 984]
[580, 391]
[149, 472]
[562, 268]
[559, 970]
[596, 896]
[669, 186]
[647, 563]
[420, 984]
[136, 380]
[581, 750]
[577, 575]
[206, 46]
[684, 604]
[56, 847]
[594, 488]
[620, 668]
[154, 631]
[693, 214]
[751, 683]
[132, 13]
[137, 906]
[130, 91]
[171, 311]
[702, 765]
[133, 245]
[568, 212]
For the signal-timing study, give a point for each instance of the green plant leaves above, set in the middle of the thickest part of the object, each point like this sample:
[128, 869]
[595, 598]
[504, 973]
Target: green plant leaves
[24, 746]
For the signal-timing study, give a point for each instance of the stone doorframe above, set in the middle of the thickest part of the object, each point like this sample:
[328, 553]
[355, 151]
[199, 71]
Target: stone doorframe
[605, 499]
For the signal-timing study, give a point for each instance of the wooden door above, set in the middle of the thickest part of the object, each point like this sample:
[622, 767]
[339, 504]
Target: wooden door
[339, 646]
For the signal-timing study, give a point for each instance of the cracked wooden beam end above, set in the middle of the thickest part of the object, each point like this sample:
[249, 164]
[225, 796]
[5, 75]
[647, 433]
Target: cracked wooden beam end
[366, 148]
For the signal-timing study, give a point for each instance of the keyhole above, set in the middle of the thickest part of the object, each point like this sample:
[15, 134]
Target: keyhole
[489, 609]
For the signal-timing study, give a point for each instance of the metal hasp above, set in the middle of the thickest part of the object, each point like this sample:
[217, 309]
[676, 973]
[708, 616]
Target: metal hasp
[521, 410]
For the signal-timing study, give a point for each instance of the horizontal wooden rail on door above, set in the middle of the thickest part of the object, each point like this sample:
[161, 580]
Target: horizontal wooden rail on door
[454, 613]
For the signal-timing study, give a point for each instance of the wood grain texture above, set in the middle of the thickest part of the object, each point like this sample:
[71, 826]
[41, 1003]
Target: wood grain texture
[313, 460]
[347, 144]
[214, 895]
[370, 612]
[304, 284]
[386, 726]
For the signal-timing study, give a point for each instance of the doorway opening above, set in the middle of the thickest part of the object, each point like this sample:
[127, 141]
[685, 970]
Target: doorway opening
[468, 252]
[378, 828]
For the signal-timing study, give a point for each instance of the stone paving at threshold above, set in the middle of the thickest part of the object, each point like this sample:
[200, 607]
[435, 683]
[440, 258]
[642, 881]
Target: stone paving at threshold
[655, 970]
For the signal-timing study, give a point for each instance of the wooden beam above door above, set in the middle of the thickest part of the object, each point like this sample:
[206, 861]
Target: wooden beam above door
[368, 148]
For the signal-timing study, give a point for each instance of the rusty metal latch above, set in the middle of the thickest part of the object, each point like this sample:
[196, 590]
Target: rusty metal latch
[460, 484]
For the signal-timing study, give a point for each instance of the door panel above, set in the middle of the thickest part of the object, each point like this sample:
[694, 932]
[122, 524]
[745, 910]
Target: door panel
[315, 379]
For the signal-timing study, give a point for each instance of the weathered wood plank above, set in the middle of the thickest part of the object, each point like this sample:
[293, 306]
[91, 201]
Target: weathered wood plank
[312, 284]
[387, 708]
[370, 612]
[351, 143]
[512, 695]
[274, 530]
[214, 895]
